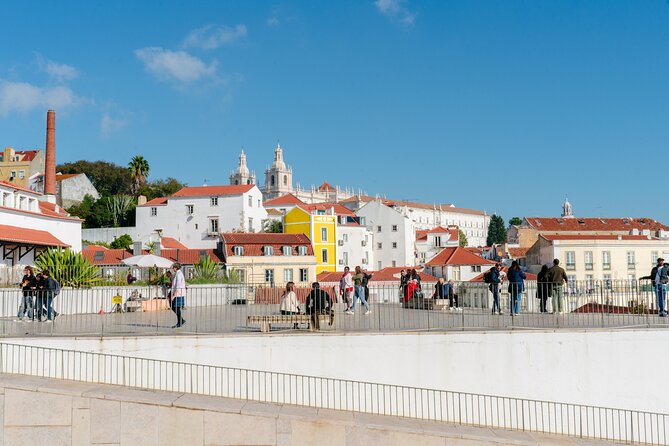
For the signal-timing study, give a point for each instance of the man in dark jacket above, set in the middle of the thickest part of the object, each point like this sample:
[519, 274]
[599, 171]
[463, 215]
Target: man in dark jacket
[319, 302]
[493, 278]
[49, 293]
[660, 277]
[557, 277]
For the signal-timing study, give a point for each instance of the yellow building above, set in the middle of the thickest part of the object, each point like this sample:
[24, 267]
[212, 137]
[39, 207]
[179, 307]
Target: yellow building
[321, 227]
[18, 166]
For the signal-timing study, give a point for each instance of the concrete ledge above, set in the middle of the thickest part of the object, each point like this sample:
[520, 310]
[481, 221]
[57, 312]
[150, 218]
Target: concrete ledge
[60, 412]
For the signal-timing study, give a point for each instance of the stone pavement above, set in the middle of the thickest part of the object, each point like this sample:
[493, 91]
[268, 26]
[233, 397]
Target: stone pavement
[55, 412]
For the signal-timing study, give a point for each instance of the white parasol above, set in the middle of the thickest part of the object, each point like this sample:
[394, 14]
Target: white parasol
[148, 261]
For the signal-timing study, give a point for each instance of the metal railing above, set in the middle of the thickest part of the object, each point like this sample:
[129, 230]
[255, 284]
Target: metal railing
[338, 394]
[226, 308]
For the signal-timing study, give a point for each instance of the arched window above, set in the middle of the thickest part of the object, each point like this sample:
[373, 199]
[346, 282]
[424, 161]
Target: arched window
[285, 180]
[271, 180]
[236, 182]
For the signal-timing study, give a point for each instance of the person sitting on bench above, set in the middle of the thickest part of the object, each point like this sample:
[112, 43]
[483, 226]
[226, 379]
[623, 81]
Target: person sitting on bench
[289, 304]
[319, 302]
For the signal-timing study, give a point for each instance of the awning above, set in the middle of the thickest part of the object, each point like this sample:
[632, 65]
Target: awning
[15, 234]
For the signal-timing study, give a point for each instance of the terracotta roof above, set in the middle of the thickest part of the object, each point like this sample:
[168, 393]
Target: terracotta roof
[160, 201]
[389, 274]
[518, 252]
[284, 200]
[15, 187]
[594, 224]
[171, 243]
[97, 247]
[326, 187]
[206, 191]
[253, 242]
[453, 233]
[28, 155]
[479, 278]
[113, 257]
[338, 208]
[29, 236]
[52, 210]
[595, 237]
[457, 256]
[65, 176]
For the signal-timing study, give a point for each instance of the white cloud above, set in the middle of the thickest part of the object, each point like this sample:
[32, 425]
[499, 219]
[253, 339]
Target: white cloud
[109, 125]
[212, 37]
[178, 66]
[23, 97]
[396, 10]
[273, 22]
[58, 71]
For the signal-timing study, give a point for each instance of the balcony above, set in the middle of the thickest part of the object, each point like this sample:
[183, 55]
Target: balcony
[571, 266]
[589, 267]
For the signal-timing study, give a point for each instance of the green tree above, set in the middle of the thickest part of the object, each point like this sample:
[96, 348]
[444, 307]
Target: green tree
[108, 178]
[161, 188]
[462, 238]
[121, 242]
[118, 206]
[139, 170]
[516, 221]
[496, 231]
[83, 210]
[272, 226]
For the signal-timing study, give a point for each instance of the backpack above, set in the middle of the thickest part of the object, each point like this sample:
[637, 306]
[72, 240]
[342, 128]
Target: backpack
[487, 277]
[56, 287]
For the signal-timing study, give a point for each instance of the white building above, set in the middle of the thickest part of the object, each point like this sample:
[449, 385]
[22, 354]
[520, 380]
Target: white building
[458, 264]
[472, 222]
[394, 235]
[429, 242]
[29, 225]
[196, 216]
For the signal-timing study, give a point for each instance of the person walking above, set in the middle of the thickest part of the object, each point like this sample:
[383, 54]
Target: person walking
[543, 288]
[346, 287]
[359, 292]
[660, 277]
[557, 276]
[178, 293]
[516, 278]
[28, 287]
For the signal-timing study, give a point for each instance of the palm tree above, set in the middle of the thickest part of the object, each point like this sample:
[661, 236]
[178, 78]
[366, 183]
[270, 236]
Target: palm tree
[139, 170]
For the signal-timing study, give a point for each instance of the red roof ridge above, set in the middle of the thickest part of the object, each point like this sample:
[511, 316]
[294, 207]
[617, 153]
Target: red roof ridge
[205, 191]
[29, 236]
[284, 199]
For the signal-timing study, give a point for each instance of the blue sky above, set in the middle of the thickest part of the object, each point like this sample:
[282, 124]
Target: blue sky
[502, 105]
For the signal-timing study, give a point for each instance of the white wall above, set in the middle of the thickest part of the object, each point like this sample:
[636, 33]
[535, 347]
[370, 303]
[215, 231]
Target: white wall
[605, 368]
[353, 245]
[66, 230]
[377, 214]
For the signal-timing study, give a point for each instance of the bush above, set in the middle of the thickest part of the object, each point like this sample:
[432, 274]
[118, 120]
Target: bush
[121, 242]
[69, 268]
[206, 269]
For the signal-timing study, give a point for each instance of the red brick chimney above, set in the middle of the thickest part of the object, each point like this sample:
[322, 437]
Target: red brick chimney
[50, 158]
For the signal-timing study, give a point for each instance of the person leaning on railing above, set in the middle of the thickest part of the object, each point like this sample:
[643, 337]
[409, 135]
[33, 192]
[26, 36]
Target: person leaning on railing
[544, 288]
[516, 278]
[660, 277]
[318, 302]
[557, 277]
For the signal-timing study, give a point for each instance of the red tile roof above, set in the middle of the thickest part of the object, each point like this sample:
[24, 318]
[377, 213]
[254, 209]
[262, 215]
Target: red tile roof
[207, 191]
[479, 278]
[160, 201]
[28, 155]
[15, 187]
[594, 224]
[517, 253]
[52, 210]
[171, 243]
[338, 208]
[253, 242]
[389, 274]
[453, 233]
[325, 187]
[113, 257]
[595, 237]
[284, 200]
[29, 236]
[457, 256]
[97, 247]
[65, 176]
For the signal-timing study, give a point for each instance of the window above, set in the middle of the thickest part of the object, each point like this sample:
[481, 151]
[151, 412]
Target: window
[238, 250]
[213, 225]
[437, 241]
[251, 225]
[302, 250]
[394, 263]
[271, 180]
[345, 258]
[324, 256]
[269, 275]
[13, 175]
[240, 273]
[287, 250]
[189, 209]
[154, 212]
[571, 283]
[379, 265]
[22, 174]
[631, 279]
[653, 257]
[571, 259]
[606, 259]
[304, 275]
[250, 201]
[588, 260]
[589, 282]
[345, 237]
[378, 229]
[258, 203]
[379, 245]
[214, 201]
[607, 281]
[394, 245]
[196, 226]
[285, 180]
[268, 250]
[324, 234]
[476, 268]
[287, 275]
[394, 228]
[631, 263]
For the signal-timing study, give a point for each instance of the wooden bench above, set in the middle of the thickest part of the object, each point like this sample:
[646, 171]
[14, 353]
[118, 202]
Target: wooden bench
[266, 321]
